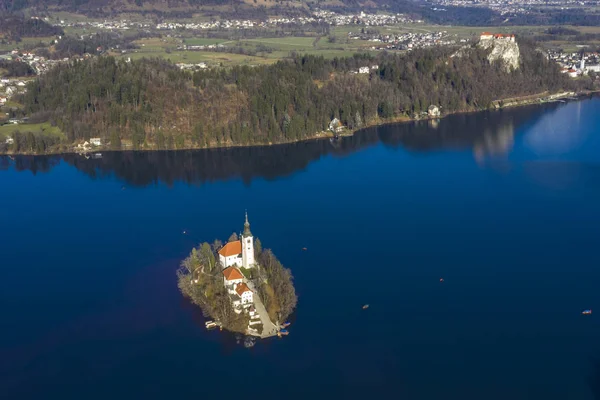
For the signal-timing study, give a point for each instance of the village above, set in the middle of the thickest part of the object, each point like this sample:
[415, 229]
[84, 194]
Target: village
[318, 17]
[406, 41]
[510, 8]
[11, 86]
[576, 64]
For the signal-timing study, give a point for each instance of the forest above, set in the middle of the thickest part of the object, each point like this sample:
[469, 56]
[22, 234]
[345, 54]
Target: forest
[151, 104]
[96, 43]
[10, 68]
[14, 27]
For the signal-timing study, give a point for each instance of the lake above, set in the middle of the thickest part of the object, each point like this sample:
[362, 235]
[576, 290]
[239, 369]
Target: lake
[504, 206]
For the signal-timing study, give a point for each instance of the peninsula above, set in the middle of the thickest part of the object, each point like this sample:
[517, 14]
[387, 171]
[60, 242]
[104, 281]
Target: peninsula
[242, 287]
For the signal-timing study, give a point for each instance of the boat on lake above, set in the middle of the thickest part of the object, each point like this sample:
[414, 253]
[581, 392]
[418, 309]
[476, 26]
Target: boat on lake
[586, 312]
[210, 324]
[285, 324]
[365, 306]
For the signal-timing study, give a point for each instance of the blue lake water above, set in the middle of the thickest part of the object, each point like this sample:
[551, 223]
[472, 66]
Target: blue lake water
[504, 206]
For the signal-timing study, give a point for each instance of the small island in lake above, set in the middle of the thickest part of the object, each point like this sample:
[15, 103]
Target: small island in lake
[244, 288]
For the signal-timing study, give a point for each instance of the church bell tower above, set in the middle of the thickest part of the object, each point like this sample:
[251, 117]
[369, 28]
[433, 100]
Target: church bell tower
[247, 246]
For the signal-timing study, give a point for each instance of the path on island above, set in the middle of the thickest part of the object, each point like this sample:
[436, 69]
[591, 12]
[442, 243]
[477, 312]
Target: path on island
[269, 328]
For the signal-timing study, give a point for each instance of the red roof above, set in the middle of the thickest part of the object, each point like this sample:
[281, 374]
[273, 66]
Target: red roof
[242, 288]
[231, 249]
[232, 273]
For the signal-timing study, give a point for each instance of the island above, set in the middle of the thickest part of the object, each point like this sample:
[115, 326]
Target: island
[241, 286]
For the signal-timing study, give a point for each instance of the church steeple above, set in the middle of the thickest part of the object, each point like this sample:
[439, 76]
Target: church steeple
[247, 245]
[247, 227]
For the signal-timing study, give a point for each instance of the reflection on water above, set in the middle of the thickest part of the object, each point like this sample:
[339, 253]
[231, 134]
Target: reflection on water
[495, 142]
[487, 134]
[557, 133]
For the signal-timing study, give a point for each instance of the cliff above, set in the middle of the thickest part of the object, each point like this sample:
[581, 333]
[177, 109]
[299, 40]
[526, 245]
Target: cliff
[504, 48]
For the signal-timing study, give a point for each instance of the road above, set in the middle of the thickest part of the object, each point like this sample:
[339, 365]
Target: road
[269, 328]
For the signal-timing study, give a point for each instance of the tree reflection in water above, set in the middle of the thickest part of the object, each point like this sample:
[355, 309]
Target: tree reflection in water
[485, 133]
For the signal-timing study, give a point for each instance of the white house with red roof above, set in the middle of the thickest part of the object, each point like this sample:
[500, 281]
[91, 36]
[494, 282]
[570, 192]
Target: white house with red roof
[231, 254]
[246, 295]
[240, 252]
[232, 277]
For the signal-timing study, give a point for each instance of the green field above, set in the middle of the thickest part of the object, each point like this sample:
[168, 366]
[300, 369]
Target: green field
[270, 49]
[45, 128]
[203, 41]
[279, 48]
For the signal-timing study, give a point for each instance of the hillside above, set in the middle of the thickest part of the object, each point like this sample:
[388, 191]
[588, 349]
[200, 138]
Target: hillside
[422, 9]
[151, 104]
[14, 27]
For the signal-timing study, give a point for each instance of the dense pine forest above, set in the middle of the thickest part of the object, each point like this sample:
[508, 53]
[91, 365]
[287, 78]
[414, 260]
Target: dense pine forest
[152, 104]
[15, 26]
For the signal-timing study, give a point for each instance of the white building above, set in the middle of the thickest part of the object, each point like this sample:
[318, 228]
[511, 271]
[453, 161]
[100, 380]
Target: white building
[232, 277]
[240, 252]
[433, 111]
[231, 254]
[246, 295]
[336, 126]
[363, 70]
[96, 141]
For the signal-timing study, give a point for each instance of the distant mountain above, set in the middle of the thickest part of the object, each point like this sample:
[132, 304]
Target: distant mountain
[250, 8]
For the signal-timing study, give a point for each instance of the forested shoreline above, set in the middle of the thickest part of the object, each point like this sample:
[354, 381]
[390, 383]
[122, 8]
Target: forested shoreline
[152, 105]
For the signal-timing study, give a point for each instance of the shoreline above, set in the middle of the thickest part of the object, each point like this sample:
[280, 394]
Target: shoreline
[535, 99]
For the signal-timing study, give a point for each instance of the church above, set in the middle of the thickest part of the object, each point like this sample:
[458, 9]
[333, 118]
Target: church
[239, 253]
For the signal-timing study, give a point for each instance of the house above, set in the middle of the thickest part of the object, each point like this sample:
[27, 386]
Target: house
[240, 252]
[572, 73]
[363, 70]
[2, 101]
[433, 111]
[486, 36]
[246, 295]
[21, 84]
[231, 254]
[336, 126]
[95, 141]
[232, 277]
[9, 140]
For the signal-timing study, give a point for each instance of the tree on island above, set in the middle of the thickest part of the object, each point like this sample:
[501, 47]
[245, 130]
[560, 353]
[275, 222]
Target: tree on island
[275, 287]
[216, 245]
[257, 248]
[233, 237]
[202, 283]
